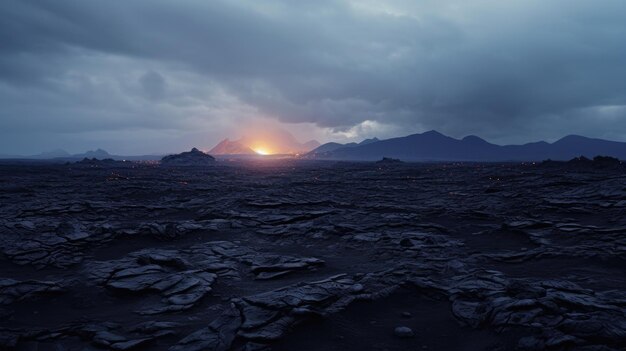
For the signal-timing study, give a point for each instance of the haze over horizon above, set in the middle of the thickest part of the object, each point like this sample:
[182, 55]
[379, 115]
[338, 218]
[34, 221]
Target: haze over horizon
[150, 77]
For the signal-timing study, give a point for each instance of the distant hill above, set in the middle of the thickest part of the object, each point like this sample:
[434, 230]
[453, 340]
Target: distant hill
[194, 157]
[369, 141]
[99, 154]
[228, 147]
[58, 153]
[271, 141]
[428, 146]
[434, 146]
[63, 156]
[332, 146]
[328, 147]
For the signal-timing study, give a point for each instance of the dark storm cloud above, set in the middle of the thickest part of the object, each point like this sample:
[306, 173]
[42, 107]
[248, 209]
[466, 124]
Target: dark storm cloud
[153, 84]
[509, 71]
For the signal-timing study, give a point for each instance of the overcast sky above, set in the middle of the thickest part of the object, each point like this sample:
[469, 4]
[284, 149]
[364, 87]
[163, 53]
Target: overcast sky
[151, 76]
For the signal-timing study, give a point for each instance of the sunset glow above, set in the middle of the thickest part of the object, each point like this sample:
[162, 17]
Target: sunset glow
[261, 151]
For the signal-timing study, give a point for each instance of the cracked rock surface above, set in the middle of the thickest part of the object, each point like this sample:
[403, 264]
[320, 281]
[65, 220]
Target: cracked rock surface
[293, 255]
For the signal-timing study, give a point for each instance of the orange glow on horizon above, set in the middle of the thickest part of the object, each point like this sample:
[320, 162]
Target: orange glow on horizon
[261, 151]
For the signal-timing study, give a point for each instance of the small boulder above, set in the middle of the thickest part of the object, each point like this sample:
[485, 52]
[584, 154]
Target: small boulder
[403, 332]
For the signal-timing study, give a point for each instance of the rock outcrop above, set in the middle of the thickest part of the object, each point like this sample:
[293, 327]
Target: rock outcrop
[194, 157]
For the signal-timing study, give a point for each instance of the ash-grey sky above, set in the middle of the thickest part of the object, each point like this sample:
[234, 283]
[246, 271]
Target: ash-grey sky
[155, 76]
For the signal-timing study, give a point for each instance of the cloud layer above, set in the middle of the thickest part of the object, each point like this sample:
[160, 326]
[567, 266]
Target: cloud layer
[156, 76]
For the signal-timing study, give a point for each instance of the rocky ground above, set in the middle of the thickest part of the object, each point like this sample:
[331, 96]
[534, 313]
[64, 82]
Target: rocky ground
[288, 255]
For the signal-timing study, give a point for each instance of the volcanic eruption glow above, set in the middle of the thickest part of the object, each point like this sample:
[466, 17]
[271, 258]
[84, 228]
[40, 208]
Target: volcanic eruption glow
[261, 151]
[263, 141]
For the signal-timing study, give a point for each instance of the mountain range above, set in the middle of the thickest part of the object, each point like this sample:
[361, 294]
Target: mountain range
[434, 146]
[332, 146]
[62, 155]
[231, 147]
[273, 141]
[428, 146]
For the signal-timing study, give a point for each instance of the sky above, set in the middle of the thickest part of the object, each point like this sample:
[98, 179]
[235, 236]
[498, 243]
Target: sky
[157, 76]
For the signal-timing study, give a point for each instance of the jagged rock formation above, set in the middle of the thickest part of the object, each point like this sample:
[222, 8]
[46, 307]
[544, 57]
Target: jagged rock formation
[598, 162]
[194, 157]
[13, 290]
[107, 162]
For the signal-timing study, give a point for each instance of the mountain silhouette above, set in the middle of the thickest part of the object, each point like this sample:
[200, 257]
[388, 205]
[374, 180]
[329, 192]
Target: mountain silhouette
[229, 147]
[434, 146]
[194, 157]
[274, 141]
[60, 155]
[334, 146]
[99, 154]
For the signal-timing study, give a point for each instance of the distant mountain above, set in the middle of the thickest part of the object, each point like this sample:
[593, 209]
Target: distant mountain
[434, 146]
[63, 156]
[328, 147]
[332, 146]
[58, 153]
[52, 154]
[228, 147]
[275, 141]
[99, 154]
[369, 141]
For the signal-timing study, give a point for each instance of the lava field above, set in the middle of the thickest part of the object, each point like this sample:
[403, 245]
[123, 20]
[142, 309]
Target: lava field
[299, 255]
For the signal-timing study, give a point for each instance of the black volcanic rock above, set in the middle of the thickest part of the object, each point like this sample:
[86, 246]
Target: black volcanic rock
[306, 255]
[606, 161]
[389, 161]
[13, 290]
[582, 160]
[598, 162]
[94, 162]
[403, 332]
[194, 157]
